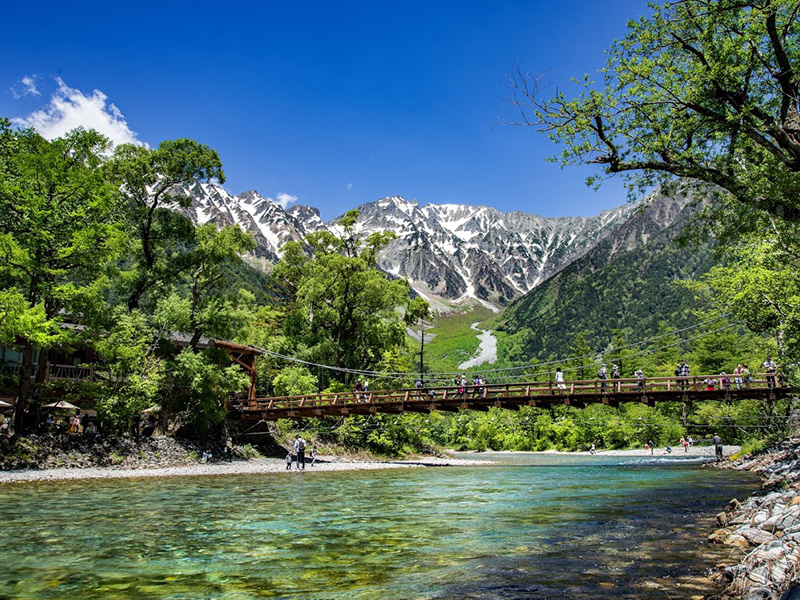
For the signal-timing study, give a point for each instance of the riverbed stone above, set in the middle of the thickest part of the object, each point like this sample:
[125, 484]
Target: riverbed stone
[736, 539]
[759, 518]
[719, 536]
[762, 593]
[755, 536]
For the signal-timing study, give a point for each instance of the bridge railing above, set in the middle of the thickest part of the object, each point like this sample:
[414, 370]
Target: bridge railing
[573, 388]
[55, 371]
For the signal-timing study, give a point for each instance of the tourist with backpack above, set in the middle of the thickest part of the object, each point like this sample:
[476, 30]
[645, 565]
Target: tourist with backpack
[602, 375]
[615, 375]
[300, 450]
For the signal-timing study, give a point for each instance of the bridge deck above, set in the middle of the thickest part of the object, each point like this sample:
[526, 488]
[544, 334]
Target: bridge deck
[511, 396]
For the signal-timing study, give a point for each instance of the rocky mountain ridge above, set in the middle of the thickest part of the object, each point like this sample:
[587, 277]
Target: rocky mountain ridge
[448, 252]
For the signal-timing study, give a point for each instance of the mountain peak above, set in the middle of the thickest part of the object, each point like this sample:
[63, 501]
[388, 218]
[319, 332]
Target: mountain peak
[453, 251]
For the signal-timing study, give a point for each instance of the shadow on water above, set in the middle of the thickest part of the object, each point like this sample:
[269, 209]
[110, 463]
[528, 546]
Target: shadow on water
[526, 528]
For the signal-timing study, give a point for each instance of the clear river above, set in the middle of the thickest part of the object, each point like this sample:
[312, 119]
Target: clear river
[529, 527]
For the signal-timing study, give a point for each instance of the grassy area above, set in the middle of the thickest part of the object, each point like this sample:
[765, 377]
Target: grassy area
[454, 341]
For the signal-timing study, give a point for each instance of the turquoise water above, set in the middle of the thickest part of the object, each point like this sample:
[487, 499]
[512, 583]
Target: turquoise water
[532, 527]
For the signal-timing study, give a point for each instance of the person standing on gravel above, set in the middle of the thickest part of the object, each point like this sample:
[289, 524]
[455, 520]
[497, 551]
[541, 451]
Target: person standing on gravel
[718, 447]
[300, 450]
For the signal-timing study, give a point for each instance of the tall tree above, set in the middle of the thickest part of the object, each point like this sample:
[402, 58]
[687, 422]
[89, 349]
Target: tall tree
[58, 231]
[705, 90]
[343, 308]
[153, 181]
[762, 288]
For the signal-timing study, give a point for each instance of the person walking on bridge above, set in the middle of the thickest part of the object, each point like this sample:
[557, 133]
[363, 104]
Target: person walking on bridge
[682, 373]
[615, 375]
[770, 368]
[602, 375]
[560, 379]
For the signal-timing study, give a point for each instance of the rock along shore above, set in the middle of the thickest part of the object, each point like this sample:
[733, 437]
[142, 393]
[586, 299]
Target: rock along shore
[764, 531]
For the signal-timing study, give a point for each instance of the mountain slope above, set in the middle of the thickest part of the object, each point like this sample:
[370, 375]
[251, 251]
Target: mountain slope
[628, 282]
[448, 252]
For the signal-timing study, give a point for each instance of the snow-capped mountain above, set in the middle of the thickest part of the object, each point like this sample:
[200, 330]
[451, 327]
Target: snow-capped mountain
[457, 251]
[271, 225]
[451, 251]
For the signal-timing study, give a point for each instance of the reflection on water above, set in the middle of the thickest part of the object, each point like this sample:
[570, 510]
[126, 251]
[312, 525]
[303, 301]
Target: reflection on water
[531, 527]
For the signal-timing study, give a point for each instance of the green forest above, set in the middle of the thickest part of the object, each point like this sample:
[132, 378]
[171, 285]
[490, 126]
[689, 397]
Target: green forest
[97, 261]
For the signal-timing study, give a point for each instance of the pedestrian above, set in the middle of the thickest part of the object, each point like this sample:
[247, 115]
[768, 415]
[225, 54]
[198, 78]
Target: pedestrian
[639, 374]
[289, 461]
[682, 372]
[685, 444]
[717, 447]
[229, 449]
[357, 390]
[418, 385]
[560, 379]
[711, 384]
[690, 441]
[592, 450]
[725, 381]
[652, 446]
[206, 456]
[770, 368]
[313, 454]
[737, 376]
[300, 450]
[615, 375]
[602, 375]
[746, 376]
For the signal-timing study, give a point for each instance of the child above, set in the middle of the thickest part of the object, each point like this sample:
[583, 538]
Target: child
[289, 461]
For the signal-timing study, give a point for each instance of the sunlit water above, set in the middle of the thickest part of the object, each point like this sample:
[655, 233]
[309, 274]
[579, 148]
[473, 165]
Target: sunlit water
[532, 527]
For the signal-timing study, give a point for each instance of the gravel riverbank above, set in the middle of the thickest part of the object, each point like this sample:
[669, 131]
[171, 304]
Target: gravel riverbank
[235, 467]
[61, 456]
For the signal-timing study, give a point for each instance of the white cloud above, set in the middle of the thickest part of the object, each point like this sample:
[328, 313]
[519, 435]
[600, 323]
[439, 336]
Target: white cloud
[285, 199]
[70, 108]
[349, 186]
[25, 87]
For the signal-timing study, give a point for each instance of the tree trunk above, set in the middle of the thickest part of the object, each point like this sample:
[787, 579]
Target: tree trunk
[24, 388]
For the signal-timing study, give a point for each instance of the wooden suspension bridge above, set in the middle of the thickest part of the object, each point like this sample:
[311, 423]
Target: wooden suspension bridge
[611, 392]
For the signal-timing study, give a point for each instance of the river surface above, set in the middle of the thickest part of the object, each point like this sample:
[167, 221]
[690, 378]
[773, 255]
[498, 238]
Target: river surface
[487, 348]
[531, 527]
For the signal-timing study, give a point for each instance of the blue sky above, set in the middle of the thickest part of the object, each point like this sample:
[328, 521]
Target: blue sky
[325, 103]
